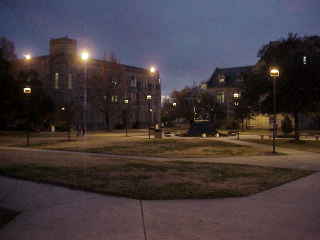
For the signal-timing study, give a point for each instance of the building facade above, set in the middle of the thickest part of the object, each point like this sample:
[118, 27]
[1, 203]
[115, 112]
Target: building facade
[225, 84]
[101, 93]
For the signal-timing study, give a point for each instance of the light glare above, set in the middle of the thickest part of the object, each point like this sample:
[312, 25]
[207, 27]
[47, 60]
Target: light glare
[85, 56]
[274, 72]
[27, 56]
[27, 90]
[152, 69]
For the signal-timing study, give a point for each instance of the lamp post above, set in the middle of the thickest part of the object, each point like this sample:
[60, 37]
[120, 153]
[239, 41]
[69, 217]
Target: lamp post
[236, 96]
[27, 91]
[149, 98]
[274, 74]
[85, 58]
[126, 102]
[66, 116]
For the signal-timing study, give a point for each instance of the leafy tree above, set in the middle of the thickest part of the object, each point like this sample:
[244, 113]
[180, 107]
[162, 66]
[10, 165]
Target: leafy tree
[10, 93]
[254, 89]
[37, 108]
[8, 49]
[109, 93]
[195, 103]
[299, 83]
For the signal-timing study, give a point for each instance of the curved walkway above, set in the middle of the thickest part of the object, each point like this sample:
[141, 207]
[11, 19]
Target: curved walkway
[291, 211]
[289, 159]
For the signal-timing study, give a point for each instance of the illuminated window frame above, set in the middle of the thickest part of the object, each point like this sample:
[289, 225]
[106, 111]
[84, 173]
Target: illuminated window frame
[56, 80]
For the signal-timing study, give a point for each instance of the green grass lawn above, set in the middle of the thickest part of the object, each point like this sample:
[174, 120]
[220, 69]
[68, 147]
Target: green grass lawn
[6, 216]
[302, 145]
[161, 180]
[171, 148]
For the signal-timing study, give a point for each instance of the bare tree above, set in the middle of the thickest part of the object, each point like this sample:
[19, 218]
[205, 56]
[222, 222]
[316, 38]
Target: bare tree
[109, 84]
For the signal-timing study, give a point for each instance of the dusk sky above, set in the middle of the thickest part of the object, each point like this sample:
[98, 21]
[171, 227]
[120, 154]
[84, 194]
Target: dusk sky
[185, 39]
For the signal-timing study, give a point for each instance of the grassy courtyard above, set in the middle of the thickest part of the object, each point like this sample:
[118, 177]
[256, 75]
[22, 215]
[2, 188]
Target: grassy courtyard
[136, 144]
[152, 180]
[141, 179]
[166, 148]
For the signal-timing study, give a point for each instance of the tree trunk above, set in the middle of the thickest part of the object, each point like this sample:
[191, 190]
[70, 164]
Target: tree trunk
[296, 126]
[107, 120]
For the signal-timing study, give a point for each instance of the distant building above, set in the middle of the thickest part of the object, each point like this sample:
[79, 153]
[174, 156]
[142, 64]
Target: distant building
[108, 84]
[225, 83]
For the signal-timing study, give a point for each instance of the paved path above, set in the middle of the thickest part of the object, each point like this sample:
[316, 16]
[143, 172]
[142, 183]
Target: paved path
[291, 211]
[292, 159]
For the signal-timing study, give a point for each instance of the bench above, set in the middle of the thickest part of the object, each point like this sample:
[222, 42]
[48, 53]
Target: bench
[317, 137]
[262, 136]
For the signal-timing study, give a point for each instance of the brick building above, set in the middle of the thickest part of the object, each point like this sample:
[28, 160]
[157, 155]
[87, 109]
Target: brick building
[105, 85]
[225, 84]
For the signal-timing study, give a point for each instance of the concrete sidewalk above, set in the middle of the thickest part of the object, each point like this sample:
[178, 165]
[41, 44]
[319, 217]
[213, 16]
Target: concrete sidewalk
[292, 159]
[291, 211]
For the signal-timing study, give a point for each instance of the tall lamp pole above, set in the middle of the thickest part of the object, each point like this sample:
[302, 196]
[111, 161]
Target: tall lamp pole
[153, 71]
[274, 74]
[236, 96]
[126, 102]
[149, 97]
[85, 57]
[27, 93]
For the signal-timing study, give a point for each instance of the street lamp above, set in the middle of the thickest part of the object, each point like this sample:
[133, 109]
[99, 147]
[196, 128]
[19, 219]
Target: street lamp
[274, 74]
[66, 117]
[85, 58]
[126, 102]
[27, 57]
[152, 69]
[27, 92]
[149, 98]
[236, 95]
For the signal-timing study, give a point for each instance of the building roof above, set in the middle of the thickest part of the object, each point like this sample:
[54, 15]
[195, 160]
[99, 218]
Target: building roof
[231, 76]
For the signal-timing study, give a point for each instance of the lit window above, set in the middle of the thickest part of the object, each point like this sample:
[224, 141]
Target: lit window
[114, 99]
[236, 95]
[220, 97]
[304, 60]
[236, 103]
[221, 78]
[56, 80]
[204, 86]
[70, 80]
[114, 82]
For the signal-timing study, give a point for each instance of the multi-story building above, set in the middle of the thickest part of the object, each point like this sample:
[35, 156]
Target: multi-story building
[95, 89]
[225, 84]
